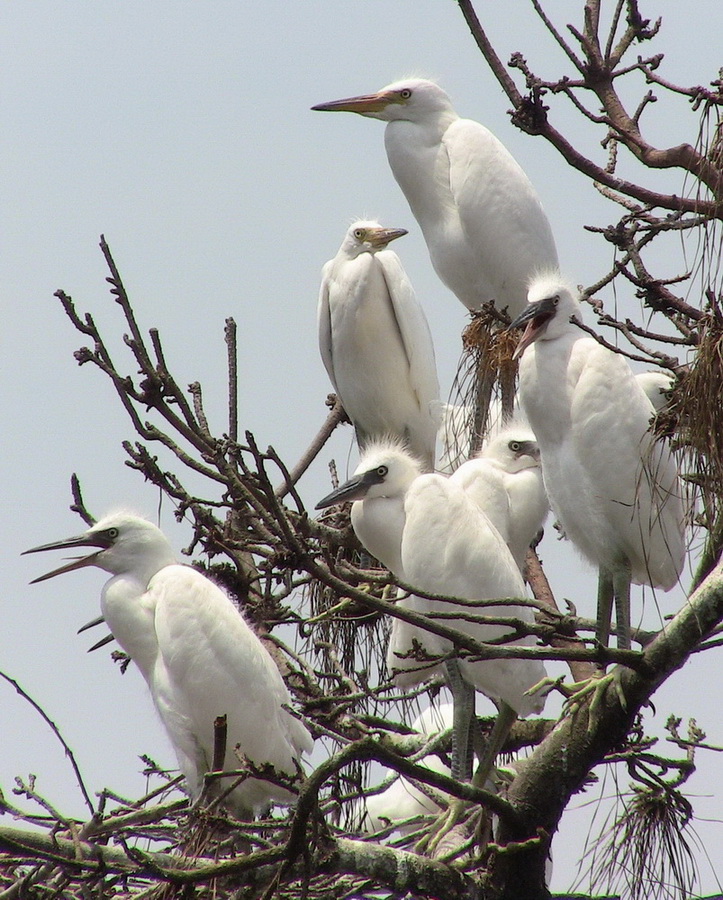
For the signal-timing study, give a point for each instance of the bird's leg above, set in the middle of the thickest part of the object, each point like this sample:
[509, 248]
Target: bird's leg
[621, 591]
[605, 595]
[441, 842]
[463, 696]
[484, 776]
[613, 585]
[506, 718]
[463, 734]
[616, 585]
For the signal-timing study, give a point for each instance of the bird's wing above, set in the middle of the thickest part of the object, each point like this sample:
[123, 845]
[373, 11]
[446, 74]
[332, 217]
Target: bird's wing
[499, 210]
[414, 333]
[449, 547]
[323, 318]
[610, 418]
[215, 665]
[484, 485]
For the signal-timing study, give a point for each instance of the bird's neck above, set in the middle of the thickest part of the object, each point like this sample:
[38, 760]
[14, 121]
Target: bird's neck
[129, 612]
[544, 364]
[420, 166]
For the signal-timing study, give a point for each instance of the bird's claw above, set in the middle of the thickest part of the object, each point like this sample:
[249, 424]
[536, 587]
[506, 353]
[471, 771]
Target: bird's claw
[576, 692]
[545, 685]
[597, 685]
[441, 827]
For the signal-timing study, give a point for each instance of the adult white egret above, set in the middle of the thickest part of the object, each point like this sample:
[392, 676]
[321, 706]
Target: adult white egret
[450, 548]
[505, 481]
[375, 342]
[485, 228]
[612, 486]
[198, 655]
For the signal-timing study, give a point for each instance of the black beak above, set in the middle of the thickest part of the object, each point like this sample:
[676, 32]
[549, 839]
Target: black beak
[354, 489]
[535, 317]
[82, 540]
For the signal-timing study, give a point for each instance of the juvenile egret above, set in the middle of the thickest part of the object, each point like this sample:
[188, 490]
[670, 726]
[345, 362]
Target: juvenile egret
[657, 386]
[448, 547]
[612, 486]
[200, 658]
[485, 228]
[505, 481]
[375, 342]
[403, 800]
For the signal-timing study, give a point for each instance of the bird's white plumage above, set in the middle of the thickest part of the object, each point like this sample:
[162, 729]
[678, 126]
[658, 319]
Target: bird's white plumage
[199, 656]
[613, 487]
[402, 799]
[485, 228]
[505, 481]
[447, 546]
[376, 345]
[657, 385]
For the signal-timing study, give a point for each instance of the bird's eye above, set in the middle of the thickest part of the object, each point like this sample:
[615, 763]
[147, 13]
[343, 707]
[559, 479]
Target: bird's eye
[382, 471]
[515, 446]
[405, 93]
[555, 299]
[358, 233]
[112, 533]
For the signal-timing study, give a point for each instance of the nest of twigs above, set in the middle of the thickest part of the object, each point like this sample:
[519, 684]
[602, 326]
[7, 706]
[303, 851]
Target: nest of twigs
[484, 388]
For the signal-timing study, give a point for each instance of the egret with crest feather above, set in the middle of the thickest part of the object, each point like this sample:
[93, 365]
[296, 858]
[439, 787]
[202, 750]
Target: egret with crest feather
[505, 481]
[200, 658]
[448, 547]
[485, 228]
[376, 345]
[614, 489]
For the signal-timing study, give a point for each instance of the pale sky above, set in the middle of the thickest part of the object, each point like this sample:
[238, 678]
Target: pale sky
[182, 132]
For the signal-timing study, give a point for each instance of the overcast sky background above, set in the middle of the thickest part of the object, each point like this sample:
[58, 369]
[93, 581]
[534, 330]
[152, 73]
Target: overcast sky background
[182, 132]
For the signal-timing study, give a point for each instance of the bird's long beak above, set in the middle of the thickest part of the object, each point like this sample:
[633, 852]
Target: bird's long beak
[91, 624]
[383, 236]
[354, 489]
[81, 540]
[365, 104]
[535, 317]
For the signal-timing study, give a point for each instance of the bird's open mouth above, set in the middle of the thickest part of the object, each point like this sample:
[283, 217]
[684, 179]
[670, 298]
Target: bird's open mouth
[536, 317]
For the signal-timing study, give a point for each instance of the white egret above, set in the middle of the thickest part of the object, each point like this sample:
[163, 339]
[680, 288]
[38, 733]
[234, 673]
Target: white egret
[505, 481]
[657, 386]
[450, 548]
[485, 228]
[612, 486]
[198, 655]
[375, 342]
[402, 799]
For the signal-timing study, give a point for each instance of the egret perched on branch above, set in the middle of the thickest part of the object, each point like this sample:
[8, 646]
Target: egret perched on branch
[375, 342]
[450, 548]
[612, 486]
[200, 658]
[505, 481]
[485, 228]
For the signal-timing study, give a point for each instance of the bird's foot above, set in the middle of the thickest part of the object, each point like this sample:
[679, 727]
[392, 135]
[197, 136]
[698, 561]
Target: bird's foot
[576, 692]
[457, 834]
[443, 836]
[597, 686]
